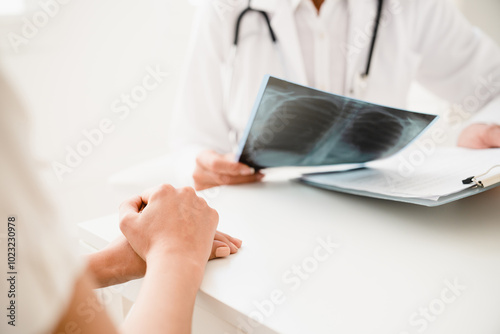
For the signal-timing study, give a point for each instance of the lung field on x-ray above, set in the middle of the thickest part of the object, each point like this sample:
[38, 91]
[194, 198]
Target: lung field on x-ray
[295, 125]
[299, 126]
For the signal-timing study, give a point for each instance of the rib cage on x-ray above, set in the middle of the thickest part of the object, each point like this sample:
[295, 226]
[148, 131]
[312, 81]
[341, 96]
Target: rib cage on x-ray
[306, 120]
[299, 126]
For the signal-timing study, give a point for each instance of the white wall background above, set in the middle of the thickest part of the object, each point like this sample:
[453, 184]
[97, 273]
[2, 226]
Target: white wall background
[90, 53]
[485, 14]
[87, 55]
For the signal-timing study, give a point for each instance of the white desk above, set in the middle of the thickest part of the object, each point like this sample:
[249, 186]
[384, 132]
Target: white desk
[392, 259]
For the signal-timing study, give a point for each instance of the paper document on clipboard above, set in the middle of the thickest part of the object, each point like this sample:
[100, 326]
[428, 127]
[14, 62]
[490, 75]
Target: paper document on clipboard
[440, 174]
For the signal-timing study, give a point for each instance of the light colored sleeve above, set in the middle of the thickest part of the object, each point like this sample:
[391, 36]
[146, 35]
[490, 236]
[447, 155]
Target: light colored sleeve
[458, 62]
[46, 264]
[199, 120]
[489, 114]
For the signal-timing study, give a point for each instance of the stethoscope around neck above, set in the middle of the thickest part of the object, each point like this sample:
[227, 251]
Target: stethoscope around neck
[360, 81]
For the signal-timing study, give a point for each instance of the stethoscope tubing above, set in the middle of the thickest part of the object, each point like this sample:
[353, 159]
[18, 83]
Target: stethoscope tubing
[275, 40]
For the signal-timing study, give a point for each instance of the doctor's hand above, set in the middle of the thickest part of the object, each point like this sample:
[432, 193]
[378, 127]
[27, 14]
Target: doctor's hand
[214, 169]
[480, 136]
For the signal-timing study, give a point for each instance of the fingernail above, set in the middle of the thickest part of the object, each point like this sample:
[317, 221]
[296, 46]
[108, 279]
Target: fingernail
[238, 241]
[232, 247]
[222, 252]
[247, 171]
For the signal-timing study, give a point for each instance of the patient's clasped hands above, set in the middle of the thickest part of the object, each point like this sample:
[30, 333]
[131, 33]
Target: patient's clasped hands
[163, 221]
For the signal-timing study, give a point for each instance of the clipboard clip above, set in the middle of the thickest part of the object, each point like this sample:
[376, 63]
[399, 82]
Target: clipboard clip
[484, 180]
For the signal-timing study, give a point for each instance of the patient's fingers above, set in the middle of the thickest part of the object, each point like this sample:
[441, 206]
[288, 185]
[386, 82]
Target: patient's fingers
[219, 249]
[146, 195]
[237, 242]
[130, 206]
[229, 240]
[219, 237]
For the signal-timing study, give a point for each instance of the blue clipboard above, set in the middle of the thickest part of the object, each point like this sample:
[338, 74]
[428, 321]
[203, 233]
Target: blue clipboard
[474, 190]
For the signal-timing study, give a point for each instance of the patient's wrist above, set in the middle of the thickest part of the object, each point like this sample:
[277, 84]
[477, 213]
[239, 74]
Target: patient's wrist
[107, 269]
[115, 264]
[99, 269]
[171, 259]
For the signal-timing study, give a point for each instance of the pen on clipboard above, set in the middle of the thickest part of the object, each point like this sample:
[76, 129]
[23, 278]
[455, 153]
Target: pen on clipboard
[484, 180]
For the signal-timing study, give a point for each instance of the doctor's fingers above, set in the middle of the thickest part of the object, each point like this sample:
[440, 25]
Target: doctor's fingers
[493, 136]
[213, 161]
[204, 179]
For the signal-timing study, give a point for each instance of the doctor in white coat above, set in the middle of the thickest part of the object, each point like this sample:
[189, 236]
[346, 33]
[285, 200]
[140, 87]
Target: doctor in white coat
[326, 44]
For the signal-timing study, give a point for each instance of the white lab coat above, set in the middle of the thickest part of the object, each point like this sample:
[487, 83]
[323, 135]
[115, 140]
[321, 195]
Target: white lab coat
[424, 40]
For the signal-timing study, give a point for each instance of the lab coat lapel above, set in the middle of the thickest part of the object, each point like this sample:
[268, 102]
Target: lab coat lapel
[269, 6]
[360, 32]
[283, 23]
[357, 45]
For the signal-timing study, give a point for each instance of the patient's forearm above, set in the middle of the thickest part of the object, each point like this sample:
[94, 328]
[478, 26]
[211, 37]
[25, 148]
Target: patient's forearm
[112, 266]
[166, 301]
[103, 270]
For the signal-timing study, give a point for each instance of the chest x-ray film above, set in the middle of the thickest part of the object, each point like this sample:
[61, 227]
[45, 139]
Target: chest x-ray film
[294, 125]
